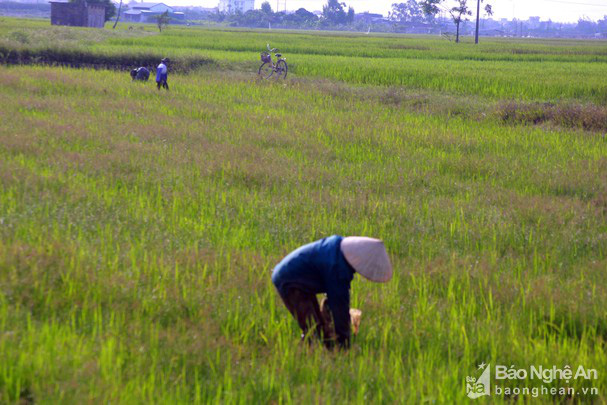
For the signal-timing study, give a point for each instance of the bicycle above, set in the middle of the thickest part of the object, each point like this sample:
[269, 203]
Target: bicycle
[268, 68]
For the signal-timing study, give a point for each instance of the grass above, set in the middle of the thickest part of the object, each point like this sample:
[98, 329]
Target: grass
[523, 70]
[138, 230]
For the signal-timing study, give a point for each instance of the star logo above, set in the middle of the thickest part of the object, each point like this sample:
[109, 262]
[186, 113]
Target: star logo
[481, 386]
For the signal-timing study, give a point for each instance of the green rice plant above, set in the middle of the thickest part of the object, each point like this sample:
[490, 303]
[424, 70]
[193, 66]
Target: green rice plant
[138, 230]
[523, 70]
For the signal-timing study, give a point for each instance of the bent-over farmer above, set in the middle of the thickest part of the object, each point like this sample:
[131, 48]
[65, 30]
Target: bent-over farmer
[328, 266]
[162, 74]
[141, 73]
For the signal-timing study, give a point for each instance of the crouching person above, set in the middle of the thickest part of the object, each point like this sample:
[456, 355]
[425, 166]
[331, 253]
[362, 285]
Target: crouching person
[142, 74]
[328, 266]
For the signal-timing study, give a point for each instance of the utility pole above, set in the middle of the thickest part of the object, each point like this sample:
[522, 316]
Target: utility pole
[478, 10]
[118, 16]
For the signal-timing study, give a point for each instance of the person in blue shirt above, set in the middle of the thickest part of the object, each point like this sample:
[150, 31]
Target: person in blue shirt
[162, 74]
[328, 266]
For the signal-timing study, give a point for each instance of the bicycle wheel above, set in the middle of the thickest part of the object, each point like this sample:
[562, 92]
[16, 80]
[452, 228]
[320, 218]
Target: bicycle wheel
[266, 70]
[281, 69]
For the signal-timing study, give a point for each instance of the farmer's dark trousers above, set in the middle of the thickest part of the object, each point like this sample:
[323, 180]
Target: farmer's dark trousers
[306, 311]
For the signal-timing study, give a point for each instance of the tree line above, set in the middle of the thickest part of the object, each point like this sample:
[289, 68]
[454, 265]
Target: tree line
[335, 15]
[338, 15]
[412, 16]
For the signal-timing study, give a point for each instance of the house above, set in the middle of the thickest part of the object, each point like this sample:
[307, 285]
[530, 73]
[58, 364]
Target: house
[77, 14]
[232, 6]
[148, 12]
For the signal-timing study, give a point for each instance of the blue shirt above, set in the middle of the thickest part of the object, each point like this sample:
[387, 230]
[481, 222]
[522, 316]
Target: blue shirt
[320, 267]
[162, 72]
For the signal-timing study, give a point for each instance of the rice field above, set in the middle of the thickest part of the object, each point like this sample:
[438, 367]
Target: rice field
[531, 70]
[138, 228]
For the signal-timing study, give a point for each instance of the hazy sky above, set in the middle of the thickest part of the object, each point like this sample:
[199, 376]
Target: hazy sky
[557, 10]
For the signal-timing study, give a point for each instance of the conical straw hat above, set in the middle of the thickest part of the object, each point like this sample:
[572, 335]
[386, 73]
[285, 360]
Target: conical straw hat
[368, 257]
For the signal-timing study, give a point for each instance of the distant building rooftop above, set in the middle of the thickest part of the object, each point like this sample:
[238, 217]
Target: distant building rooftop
[137, 4]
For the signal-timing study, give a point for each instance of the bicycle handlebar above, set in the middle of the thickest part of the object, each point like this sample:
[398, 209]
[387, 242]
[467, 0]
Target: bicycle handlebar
[271, 50]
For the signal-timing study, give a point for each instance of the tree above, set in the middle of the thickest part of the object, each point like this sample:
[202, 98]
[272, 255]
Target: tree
[585, 26]
[261, 17]
[302, 18]
[252, 18]
[266, 8]
[458, 14]
[334, 13]
[410, 11]
[110, 8]
[350, 16]
[488, 10]
[306, 16]
[430, 8]
[162, 20]
[601, 25]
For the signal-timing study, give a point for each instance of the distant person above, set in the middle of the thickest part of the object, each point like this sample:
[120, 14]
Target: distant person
[162, 74]
[142, 74]
[328, 266]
